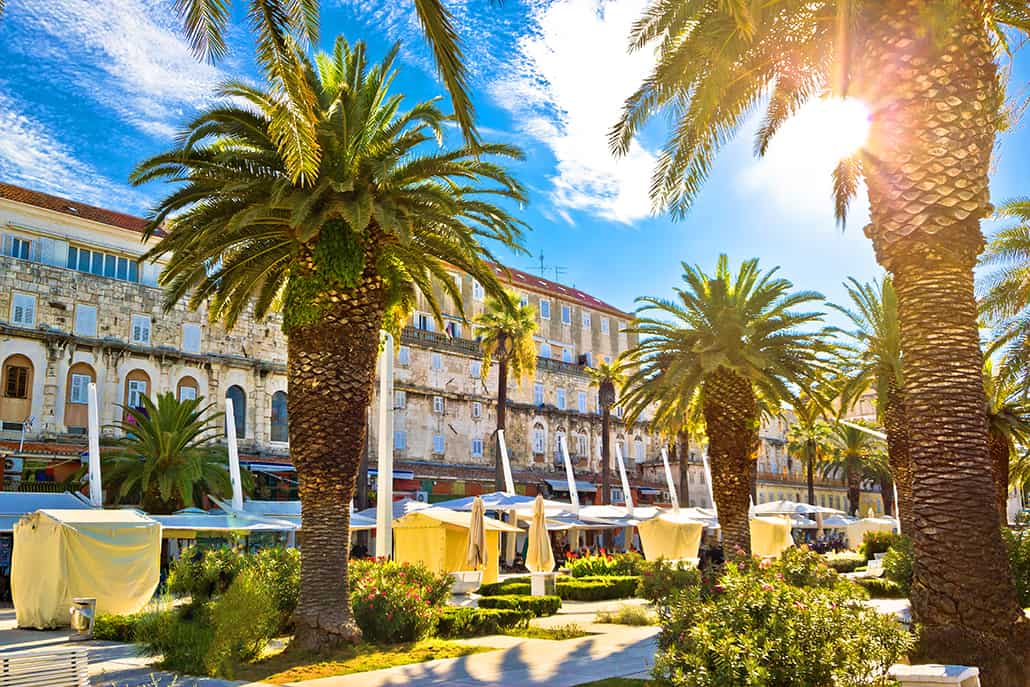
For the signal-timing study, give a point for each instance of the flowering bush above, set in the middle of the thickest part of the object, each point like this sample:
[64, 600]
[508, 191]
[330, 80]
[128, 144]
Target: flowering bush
[604, 564]
[757, 629]
[897, 564]
[396, 602]
[661, 579]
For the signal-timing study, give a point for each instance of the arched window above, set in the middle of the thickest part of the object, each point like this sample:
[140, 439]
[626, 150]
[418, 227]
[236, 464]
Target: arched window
[239, 409]
[280, 427]
[539, 438]
[76, 397]
[137, 385]
[16, 399]
[188, 389]
[638, 450]
[559, 436]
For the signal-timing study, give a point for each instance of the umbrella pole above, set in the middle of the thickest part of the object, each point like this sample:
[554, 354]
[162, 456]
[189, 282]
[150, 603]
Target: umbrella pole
[509, 539]
[384, 493]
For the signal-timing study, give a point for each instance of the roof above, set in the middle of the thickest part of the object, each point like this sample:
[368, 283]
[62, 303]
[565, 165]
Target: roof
[97, 516]
[21, 502]
[531, 281]
[562, 485]
[455, 518]
[73, 208]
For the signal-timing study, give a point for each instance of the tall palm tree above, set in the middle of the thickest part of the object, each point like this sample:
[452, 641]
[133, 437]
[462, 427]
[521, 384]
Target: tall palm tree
[928, 71]
[851, 450]
[506, 329]
[808, 439]
[343, 256]
[1005, 291]
[166, 458]
[735, 341]
[607, 377]
[1008, 426]
[872, 360]
[877, 469]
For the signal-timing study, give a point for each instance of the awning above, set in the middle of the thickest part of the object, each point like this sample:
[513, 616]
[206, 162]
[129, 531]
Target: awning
[257, 466]
[563, 486]
[647, 491]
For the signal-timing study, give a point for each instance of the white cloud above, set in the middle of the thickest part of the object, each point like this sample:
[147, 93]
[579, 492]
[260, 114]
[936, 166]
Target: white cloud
[128, 55]
[31, 156]
[570, 76]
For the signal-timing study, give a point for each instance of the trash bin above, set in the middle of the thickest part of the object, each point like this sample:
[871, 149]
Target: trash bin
[83, 613]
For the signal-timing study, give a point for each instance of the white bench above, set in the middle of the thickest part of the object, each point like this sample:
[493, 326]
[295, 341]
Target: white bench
[65, 667]
[935, 675]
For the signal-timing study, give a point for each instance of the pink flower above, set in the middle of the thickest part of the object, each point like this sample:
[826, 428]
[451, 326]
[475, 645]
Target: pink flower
[766, 587]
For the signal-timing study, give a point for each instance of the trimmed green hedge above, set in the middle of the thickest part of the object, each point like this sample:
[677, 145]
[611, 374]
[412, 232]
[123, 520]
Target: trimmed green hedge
[597, 588]
[880, 588]
[116, 628]
[537, 605]
[476, 622]
[845, 562]
[515, 585]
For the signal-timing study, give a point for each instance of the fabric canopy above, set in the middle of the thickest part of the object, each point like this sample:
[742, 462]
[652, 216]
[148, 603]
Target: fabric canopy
[113, 556]
[792, 508]
[400, 509]
[670, 536]
[438, 538]
[499, 500]
[539, 557]
[856, 531]
[770, 536]
[14, 505]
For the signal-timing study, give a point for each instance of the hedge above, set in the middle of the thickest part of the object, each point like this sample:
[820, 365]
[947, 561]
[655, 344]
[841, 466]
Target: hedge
[880, 588]
[537, 605]
[845, 562]
[476, 622]
[513, 585]
[598, 588]
[116, 628]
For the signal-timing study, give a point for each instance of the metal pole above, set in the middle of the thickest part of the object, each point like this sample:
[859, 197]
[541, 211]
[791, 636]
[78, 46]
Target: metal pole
[668, 479]
[509, 482]
[384, 493]
[234, 455]
[96, 487]
[569, 474]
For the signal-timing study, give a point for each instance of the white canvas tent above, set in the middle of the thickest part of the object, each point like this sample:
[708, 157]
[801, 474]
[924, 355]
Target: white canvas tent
[110, 555]
[14, 505]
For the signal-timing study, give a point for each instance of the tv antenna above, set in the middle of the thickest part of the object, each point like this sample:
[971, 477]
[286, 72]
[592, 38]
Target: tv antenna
[557, 271]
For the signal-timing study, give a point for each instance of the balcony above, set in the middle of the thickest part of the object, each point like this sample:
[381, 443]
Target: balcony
[443, 341]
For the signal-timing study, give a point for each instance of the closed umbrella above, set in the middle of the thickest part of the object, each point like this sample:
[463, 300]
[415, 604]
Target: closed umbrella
[539, 557]
[475, 550]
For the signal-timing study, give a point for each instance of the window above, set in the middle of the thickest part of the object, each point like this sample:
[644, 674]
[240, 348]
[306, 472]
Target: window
[438, 404]
[581, 444]
[279, 430]
[187, 390]
[539, 439]
[545, 309]
[424, 321]
[585, 317]
[438, 444]
[477, 409]
[566, 314]
[453, 329]
[538, 394]
[400, 400]
[23, 309]
[17, 247]
[523, 299]
[476, 369]
[618, 411]
[588, 359]
[85, 320]
[79, 393]
[545, 350]
[436, 361]
[477, 448]
[140, 329]
[404, 355]
[604, 325]
[137, 389]
[477, 290]
[581, 402]
[457, 281]
[638, 450]
[191, 338]
[566, 355]
[560, 398]
[239, 409]
[17, 374]
[102, 264]
[400, 440]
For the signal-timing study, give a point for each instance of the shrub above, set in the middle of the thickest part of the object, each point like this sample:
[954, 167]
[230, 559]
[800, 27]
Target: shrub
[881, 588]
[627, 615]
[660, 579]
[476, 622]
[242, 619]
[514, 585]
[758, 630]
[845, 562]
[597, 588]
[396, 602]
[877, 542]
[180, 636]
[897, 564]
[605, 564]
[204, 573]
[539, 606]
[116, 628]
[1018, 544]
[802, 567]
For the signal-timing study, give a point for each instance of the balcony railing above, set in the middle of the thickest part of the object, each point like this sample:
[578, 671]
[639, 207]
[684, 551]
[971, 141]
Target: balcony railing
[442, 340]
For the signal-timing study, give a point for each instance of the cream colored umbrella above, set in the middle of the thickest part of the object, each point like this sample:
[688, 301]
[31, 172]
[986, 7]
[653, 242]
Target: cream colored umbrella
[539, 557]
[475, 550]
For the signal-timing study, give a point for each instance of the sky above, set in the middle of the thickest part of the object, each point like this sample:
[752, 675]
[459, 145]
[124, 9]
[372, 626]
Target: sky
[89, 89]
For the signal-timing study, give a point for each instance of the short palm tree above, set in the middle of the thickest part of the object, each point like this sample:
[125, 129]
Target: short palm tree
[1008, 426]
[167, 459]
[851, 450]
[734, 341]
[607, 378]
[929, 72]
[505, 330]
[1005, 291]
[872, 360]
[808, 438]
[388, 213]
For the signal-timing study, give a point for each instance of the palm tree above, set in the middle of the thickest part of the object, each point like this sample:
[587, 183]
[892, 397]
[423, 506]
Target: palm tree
[851, 450]
[1008, 426]
[606, 377]
[506, 329]
[733, 341]
[808, 438]
[1005, 291]
[872, 360]
[166, 458]
[877, 469]
[343, 256]
[929, 74]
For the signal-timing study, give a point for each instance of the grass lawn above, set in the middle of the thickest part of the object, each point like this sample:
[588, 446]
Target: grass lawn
[291, 666]
[560, 632]
[616, 682]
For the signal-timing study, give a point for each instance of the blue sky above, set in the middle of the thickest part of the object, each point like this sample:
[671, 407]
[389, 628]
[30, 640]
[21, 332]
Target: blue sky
[90, 88]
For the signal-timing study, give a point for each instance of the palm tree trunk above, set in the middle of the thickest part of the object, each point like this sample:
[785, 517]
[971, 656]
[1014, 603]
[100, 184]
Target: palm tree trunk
[502, 406]
[683, 446]
[1000, 450]
[935, 98]
[606, 449]
[887, 493]
[853, 478]
[731, 420]
[810, 477]
[896, 426]
[331, 371]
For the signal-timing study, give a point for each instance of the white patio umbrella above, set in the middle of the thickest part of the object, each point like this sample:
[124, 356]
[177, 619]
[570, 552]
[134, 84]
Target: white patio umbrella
[792, 508]
[539, 557]
[475, 549]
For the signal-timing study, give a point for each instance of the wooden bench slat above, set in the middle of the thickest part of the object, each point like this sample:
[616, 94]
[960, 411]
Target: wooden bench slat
[60, 667]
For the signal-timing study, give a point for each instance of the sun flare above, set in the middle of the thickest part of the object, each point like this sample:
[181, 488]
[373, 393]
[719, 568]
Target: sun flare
[834, 127]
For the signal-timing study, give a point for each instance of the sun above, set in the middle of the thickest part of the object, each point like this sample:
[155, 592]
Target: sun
[834, 127]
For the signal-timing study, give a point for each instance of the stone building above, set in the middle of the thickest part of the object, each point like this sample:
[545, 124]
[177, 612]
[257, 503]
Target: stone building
[78, 305]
